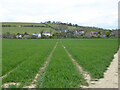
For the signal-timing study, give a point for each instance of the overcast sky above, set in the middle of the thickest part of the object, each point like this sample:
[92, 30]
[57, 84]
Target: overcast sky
[98, 13]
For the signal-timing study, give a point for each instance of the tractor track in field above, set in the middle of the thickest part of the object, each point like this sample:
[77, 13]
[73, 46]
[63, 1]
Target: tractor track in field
[42, 69]
[85, 74]
[6, 85]
[5, 75]
[110, 79]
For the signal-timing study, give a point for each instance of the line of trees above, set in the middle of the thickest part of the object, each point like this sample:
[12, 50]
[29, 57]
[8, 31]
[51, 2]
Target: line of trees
[60, 23]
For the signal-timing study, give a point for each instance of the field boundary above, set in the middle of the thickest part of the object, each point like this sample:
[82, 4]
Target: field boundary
[85, 74]
[42, 69]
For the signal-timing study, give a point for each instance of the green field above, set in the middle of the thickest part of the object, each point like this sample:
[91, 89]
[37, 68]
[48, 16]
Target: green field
[27, 55]
[93, 55]
[29, 30]
[24, 58]
[61, 72]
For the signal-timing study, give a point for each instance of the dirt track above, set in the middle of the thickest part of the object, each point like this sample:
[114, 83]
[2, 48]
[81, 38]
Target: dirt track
[110, 79]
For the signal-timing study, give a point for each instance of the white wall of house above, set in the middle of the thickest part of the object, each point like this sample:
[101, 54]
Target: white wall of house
[39, 35]
[47, 34]
[18, 36]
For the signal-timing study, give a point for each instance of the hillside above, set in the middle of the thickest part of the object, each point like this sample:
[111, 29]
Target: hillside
[15, 27]
[20, 27]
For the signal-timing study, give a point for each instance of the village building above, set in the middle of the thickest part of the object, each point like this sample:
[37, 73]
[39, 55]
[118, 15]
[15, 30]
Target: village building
[38, 35]
[46, 34]
[18, 36]
[88, 34]
[115, 32]
[82, 31]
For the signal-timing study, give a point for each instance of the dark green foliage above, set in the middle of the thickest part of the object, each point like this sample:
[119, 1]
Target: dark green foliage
[107, 33]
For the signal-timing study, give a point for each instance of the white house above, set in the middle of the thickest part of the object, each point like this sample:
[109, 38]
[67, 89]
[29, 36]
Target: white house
[47, 34]
[82, 31]
[38, 35]
[18, 36]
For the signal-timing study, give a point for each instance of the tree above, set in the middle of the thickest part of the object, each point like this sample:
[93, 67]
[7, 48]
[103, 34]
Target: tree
[98, 35]
[18, 33]
[76, 25]
[42, 32]
[26, 33]
[53, 22]
[107, 33]
[49, 22]
[4, 35]
[63, 27]
[8, 33]
[50, 32]
[70, 24]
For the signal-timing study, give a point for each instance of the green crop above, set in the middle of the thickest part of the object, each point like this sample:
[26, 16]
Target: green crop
[94, 55]
[61, 72]
[24, 58]
[27, 56]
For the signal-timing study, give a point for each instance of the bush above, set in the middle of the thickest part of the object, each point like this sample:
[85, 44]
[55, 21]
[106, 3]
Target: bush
[98, 36]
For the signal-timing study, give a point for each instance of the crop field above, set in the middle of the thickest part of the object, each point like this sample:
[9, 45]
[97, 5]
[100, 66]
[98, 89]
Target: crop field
[24, 57]
[61, 72]
[93, 55]
[22, 60]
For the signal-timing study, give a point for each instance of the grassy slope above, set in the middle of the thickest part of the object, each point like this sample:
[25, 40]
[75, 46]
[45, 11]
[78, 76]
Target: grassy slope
[33, 53]
[61, 72]
[94, 55]
[22, 30]
[46, 28]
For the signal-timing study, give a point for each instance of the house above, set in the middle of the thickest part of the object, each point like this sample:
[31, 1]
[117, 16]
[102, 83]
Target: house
[76, 34]
[47, 34]
[94, 35]
[19, 36]
[82, 31]
[38, 35]
[102, 33]
[59, 31]
[65, 30]
[88, 34]
[9, 36]
[115, 32]
[91, 32]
